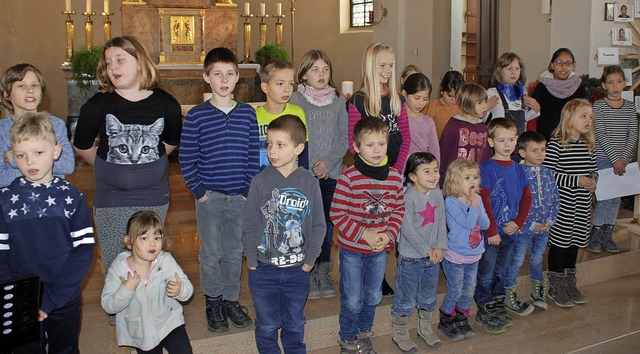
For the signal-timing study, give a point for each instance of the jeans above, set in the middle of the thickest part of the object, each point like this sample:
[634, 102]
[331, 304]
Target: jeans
[606, 211]
[327, 188]
[361, 288]
[279, 296]
[491, 270]
[416, 285]
[536, 244]
[176, 342]
[220, 228]
[461, 284]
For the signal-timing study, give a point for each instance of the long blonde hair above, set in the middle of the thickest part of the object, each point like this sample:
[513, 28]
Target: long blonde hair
[563, 130]
[371, 83]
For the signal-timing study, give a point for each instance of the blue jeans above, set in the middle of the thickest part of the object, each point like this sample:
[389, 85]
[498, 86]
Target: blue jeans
[416, 285]
[220, 228]
[461, 284]
[279, 296]
[327, 189]
[536, 244]
[491, 270]
[606, 211]
[361, 287]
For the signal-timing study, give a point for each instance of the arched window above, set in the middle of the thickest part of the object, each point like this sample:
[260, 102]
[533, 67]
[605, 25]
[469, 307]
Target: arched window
[361, 13]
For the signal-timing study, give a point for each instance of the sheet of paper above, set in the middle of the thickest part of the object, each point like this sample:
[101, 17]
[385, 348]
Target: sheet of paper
[612, 186]
[608, 56]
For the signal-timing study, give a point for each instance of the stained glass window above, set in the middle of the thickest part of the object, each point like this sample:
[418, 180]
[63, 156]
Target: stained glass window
[361, 13]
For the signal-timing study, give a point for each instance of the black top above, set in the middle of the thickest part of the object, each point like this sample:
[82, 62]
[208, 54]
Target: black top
[551, 107]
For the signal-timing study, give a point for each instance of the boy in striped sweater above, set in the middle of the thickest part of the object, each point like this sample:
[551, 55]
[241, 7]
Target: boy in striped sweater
[219, 155]
[367, 210]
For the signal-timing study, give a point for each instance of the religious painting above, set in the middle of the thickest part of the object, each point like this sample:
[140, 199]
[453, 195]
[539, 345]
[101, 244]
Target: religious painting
[182, 29]
[608, 11]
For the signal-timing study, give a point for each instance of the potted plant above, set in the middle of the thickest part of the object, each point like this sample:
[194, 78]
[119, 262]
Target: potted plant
[270, 51]
[83, 67]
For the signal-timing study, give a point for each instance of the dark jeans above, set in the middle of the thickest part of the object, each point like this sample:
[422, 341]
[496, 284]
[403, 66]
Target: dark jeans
[279, 296]
[416, 285]
[562, 258]
[60, 330]
[176, 342]
[327, 188]
[491, 270]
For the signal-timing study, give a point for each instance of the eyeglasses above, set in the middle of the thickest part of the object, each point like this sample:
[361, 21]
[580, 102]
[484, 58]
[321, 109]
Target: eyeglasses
[567, 64]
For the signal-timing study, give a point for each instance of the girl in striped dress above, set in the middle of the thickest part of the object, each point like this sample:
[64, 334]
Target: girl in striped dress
[571, 158]
[616, 129]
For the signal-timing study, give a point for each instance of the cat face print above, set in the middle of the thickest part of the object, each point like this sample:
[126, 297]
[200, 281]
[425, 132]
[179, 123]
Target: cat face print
[131, 144]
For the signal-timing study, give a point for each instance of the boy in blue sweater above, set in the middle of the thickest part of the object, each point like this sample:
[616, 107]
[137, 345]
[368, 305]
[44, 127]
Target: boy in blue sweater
[45, 230]
[507, 198]
[535, 232]
[219, 155]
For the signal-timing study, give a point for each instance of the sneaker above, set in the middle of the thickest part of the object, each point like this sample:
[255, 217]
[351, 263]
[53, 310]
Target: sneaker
[238, 314]
[447, 326]
[487, 316]
[538, 293]
[365, 343]
[503, 316]
[112, 320]
[349, 346]
[216, 315]
[513, 302]
[314, 287]
[387, 290]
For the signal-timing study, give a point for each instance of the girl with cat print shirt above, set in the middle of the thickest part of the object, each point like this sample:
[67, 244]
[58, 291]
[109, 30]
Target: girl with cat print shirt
[138, 125]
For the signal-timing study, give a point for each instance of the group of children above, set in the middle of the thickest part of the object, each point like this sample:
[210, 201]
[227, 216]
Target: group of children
[270, 186]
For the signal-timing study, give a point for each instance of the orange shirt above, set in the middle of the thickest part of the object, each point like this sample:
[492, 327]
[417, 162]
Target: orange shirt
[441, 114]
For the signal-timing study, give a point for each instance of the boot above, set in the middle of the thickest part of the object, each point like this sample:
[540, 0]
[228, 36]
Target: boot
[607, 242]
[387, 290]
[216, 315]
[238, 314]
[462, 322]
[595, 239]
[487, 316]
[425, 331]
[503, 316]
[400, 334]
[314, 287]
[349, 346]
[365, 343]
[325, 282]
[513, 302]
[558, 289]
[538, 293]
[447, 326]
[574, 294]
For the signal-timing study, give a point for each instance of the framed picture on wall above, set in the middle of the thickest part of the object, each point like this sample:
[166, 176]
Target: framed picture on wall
[636, 7]
[608, 10]
[623, 13]
[621, 36]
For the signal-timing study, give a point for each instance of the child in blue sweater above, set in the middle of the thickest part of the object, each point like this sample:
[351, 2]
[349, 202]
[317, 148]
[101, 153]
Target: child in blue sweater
[219, 155]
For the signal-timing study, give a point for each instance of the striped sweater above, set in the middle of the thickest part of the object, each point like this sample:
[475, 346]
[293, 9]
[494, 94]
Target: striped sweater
[361, 202]
[218, 151]
[616, 131]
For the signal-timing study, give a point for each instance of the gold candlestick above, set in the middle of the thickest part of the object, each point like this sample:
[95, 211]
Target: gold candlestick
[88, 30]
[68, 37]
[107, 25]
[278, 29]
[263, 30]
[293, 27]
[247, 37]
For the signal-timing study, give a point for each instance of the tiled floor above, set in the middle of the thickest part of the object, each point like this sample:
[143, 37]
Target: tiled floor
[609, 323]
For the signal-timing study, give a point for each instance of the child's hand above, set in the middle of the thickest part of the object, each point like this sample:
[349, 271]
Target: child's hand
[532, 103]
[539, 227]
[436, 255]
[203, 198]
[372, 237]
[320, 169]
[253, 268]
[132, 281]
[587, 183]
[510, 228]
[492, 102]
[474, 199]
[547, 225]
[174, 287]
[306, 268]
[384, 240]
[494, 240]
[42, 315]
[620, 167]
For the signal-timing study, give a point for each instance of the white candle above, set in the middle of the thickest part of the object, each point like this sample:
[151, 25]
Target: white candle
[279, 9]
[88, 5]
[67, 5]
[106, 6]
[347, 88]
[246, 9]
[262, 9]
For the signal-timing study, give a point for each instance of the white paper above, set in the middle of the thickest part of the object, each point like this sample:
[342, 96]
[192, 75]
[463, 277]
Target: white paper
[627, 95]
[628, 75]
[611, 186]
[608, 56]
[638, 104]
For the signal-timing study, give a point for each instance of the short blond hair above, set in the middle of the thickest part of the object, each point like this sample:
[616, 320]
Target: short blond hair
[32, 126]
[453, 179]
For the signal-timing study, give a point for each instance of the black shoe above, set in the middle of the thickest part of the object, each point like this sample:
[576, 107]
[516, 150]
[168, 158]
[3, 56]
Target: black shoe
[462, 322]
[447, 326]
[387, 291]
[216, 315]
[237, 313]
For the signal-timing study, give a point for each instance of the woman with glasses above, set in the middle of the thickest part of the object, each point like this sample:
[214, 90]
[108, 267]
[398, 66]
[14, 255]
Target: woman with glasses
[558, 85]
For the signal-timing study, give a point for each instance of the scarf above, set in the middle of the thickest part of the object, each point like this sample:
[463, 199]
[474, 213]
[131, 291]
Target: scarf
[320, 98]
[380, 172]
[560, 88]
[512, 92]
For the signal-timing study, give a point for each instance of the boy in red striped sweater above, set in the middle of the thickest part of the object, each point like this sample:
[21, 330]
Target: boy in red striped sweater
[367, 210]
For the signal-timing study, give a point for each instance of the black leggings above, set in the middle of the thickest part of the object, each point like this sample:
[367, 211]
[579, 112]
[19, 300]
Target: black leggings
[562, 258]
[176, 342]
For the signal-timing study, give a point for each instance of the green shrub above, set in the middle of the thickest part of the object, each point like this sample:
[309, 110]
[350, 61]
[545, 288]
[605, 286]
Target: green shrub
[83, 66]
[270, 51]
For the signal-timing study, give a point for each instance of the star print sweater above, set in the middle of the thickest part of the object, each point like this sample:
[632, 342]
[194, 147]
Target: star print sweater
[46, 230]
[424, 226]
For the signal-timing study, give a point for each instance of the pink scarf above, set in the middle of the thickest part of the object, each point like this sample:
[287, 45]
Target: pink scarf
[320, 98]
